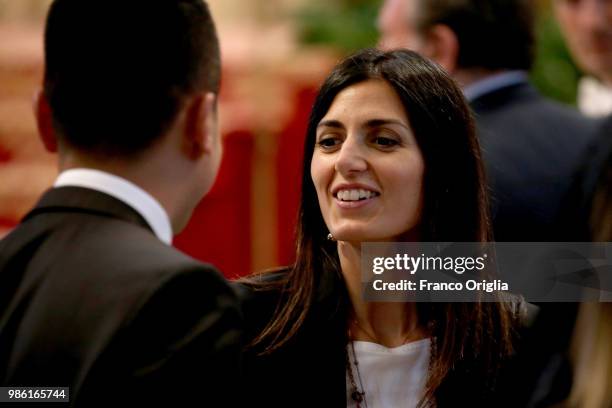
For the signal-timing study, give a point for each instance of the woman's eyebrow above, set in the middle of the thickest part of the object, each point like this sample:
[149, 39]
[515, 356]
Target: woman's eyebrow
[382, 122]
[331, 123]
[370, 123]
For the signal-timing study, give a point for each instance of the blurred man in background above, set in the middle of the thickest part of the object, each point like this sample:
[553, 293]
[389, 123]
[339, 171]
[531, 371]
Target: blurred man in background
[531, 145]
[92, 295]
[587, 28]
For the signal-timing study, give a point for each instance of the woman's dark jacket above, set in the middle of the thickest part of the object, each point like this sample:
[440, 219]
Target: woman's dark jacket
[310, 370]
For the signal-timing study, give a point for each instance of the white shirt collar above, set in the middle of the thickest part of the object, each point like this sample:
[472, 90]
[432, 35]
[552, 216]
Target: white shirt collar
[594, 97]
[126, 191]
[493, 83]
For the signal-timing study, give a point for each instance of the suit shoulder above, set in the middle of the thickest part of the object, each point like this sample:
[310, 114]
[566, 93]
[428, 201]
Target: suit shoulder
[127, 248]
[527, 107]
[570, 115]
[190, 290]
[101, 258]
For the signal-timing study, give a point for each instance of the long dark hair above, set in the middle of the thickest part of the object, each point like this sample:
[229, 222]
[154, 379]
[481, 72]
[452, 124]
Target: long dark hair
[455, 210]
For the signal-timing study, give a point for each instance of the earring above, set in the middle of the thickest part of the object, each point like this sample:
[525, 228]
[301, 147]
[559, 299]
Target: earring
[330, 237]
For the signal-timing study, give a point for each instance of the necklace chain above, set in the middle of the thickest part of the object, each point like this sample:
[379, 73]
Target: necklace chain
[360, 396]
[356, 395]
[375, 338]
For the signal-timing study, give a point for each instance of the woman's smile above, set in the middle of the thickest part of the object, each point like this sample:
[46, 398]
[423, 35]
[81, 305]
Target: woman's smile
[353, 196]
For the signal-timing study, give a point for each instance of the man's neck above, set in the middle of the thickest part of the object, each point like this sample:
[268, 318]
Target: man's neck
[143, 172]
[123, 190]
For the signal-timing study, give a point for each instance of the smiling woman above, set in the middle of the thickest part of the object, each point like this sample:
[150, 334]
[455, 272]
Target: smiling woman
[390, 155]
[367, 167]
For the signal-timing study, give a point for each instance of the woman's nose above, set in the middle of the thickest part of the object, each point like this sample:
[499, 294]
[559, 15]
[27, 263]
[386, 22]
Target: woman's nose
[351, 157]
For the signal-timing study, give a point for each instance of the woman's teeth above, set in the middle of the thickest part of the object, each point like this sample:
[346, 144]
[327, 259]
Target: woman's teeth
[355, 195]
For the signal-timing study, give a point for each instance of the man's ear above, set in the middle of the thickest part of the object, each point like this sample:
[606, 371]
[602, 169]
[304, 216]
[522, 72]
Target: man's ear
[201, 129]
[44, 121]
[442, 46]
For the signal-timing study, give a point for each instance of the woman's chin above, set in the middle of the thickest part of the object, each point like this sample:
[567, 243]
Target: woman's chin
[356, 237]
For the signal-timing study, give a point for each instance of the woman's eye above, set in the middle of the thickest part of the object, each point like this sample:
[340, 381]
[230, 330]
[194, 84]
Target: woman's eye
[385, 142]
[328, 142]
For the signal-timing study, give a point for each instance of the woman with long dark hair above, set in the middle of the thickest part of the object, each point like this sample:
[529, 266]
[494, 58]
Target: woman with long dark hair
[390, 155]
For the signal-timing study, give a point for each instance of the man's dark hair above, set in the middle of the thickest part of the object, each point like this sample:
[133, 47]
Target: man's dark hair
[117, 71]
[492, 34]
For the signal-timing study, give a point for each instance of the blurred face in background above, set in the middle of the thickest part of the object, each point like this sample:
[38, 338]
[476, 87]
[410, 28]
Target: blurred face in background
[587, 28]
[367, 168]
[396, 25]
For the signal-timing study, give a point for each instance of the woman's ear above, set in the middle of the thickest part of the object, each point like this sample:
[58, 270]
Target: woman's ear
[442, 46]
[44, 121]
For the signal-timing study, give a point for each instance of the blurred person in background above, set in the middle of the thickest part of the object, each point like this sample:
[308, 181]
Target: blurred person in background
[92, 295]
[590, 354]
[587, 28]
[531, 146]
[390, 155]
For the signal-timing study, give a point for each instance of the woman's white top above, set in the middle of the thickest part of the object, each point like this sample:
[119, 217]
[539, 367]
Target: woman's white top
[391, 377]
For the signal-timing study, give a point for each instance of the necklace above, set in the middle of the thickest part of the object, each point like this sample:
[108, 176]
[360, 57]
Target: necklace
[374, 338]
[356, 395]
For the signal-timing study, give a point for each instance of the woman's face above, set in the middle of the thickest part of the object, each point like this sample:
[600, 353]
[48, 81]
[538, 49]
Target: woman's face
[367, 167]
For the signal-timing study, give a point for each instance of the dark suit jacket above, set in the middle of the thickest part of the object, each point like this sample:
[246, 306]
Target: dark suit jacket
[595, 174]
[310, 370]
[92, 300]
[532, 148]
